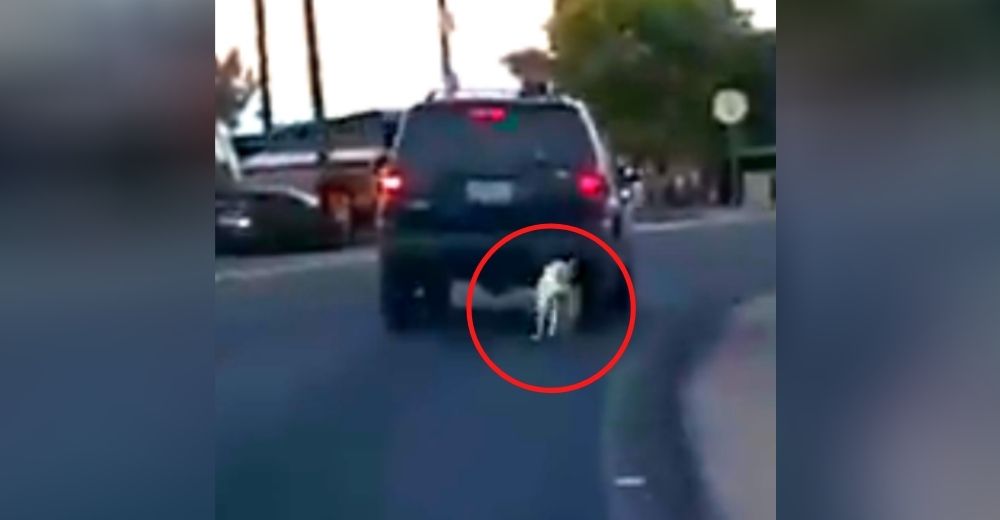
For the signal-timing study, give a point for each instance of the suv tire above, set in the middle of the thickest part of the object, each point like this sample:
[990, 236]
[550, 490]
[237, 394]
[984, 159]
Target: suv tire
[620, 301]
[396, 301]
[401, 309]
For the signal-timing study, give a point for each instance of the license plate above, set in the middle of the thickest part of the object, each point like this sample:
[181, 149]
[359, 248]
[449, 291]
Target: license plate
[489, 192]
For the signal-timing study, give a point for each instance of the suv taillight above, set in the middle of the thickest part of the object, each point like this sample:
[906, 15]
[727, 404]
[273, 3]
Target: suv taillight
[591, 184]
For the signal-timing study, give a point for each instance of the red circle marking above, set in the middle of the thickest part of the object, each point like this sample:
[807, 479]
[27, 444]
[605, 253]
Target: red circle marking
[470, 293]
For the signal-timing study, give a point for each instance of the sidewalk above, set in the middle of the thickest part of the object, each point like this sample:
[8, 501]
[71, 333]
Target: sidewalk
[690, 432]
[731, 408]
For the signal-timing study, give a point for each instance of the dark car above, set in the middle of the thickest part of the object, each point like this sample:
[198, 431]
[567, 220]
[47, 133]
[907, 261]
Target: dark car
[271, 220]
[466, 171]
[253, 218]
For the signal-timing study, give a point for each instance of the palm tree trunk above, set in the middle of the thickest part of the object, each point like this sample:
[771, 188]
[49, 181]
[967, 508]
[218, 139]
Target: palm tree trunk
[315, 74]
[262, 65]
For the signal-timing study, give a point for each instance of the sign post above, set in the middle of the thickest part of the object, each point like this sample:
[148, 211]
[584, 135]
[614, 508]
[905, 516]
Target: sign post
[730, 107]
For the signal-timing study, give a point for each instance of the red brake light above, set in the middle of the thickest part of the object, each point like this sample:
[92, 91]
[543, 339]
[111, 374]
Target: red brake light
[392, 183]
[390, 180]
[592, 185]
[488, 114]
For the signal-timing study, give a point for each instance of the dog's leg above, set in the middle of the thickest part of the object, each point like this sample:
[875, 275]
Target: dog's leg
[553, 318]
[541, 312]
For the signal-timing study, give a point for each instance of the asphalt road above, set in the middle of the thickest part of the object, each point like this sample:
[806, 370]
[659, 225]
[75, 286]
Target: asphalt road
[322, 414]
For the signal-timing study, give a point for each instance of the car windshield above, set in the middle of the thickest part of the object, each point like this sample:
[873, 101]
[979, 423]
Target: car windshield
[493, 137]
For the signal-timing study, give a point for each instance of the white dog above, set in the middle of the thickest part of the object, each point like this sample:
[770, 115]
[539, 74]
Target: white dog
[555, 296]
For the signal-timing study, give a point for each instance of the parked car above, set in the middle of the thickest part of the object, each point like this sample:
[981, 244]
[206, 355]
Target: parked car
[272, 219]
[469, 169]
[264, 218]
[335, 160]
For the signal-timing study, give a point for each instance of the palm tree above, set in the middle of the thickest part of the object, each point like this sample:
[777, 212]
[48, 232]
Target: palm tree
[234, 85]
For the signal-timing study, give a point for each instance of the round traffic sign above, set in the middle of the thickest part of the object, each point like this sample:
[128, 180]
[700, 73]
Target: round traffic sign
[730, 106]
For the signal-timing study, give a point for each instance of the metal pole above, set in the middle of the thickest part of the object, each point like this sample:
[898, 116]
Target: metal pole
[447, 73]
[735, 187]
[315, 75]
[262, 64]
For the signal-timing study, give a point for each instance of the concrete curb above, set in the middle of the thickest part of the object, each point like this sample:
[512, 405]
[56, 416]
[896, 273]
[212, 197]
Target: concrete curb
[644, 437]
[675, 416]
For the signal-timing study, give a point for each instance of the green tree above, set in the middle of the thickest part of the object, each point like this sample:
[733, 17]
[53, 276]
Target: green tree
[234, 86]
[649, 68]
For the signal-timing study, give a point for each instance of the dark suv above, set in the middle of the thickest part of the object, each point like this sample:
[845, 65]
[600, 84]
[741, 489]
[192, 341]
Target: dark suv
[465, 172]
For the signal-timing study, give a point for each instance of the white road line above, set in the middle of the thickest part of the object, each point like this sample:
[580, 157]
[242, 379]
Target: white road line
[630, 481]
[332, 261]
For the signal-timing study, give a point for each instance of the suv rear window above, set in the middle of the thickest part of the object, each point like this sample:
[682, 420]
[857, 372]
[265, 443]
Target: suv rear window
[494, 137]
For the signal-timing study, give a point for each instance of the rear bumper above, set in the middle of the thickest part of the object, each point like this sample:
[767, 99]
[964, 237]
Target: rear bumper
[518, 263]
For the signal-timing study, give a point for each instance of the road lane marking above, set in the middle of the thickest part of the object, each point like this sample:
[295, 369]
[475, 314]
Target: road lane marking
[302, 265]
[630, 481]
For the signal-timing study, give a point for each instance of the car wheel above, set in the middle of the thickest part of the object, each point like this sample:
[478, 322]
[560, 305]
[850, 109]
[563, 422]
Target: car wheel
[621, 304]
[436, 299]
[603, 305]
[593, 311]
[408, 301]
[342, 212]
[396, 302]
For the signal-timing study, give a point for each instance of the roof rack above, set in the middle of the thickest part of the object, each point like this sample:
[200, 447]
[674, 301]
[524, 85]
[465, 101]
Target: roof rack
[439, 94]
[499, 94]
